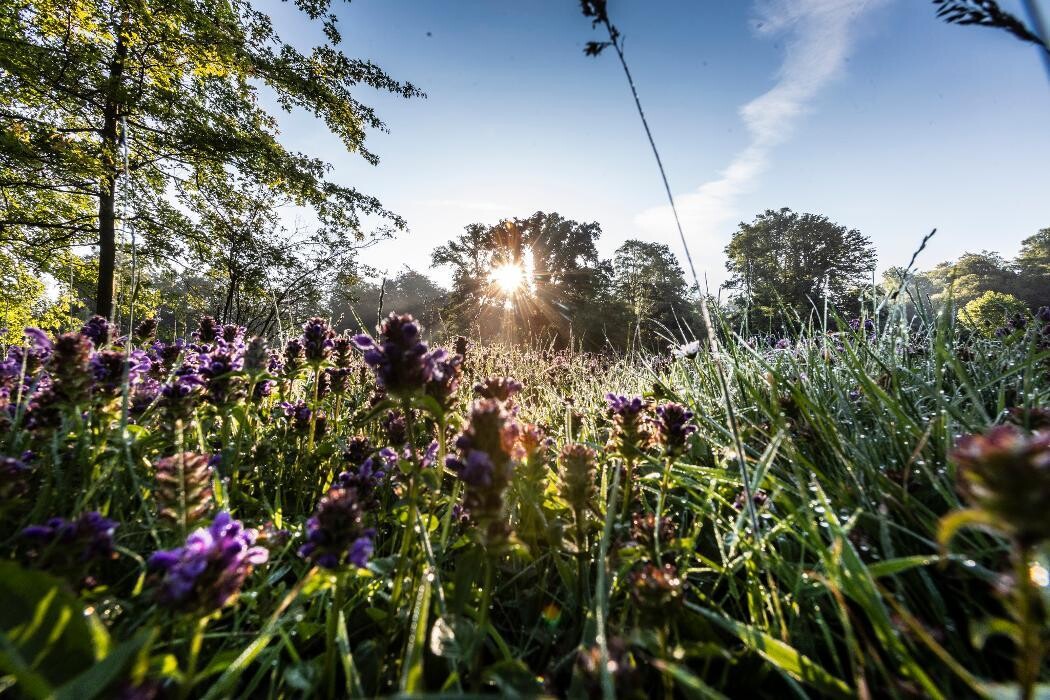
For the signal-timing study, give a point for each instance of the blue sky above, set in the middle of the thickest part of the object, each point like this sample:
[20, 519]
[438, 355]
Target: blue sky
[871, 112]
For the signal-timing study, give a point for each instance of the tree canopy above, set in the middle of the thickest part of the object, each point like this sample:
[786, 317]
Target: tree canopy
[179, 88]
[785, 262]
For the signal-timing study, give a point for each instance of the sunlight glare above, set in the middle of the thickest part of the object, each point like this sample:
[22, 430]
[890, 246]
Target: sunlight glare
[509, 277]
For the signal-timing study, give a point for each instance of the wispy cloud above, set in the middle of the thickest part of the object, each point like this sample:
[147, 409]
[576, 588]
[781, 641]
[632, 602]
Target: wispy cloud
[819, 35]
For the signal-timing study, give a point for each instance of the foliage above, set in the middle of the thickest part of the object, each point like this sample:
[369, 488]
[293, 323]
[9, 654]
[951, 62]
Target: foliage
[297, 547]
[562, 271]
[647, 282]
[178, 86]
[987, 13]
[991, 311]
[784, 263]
[409, 291]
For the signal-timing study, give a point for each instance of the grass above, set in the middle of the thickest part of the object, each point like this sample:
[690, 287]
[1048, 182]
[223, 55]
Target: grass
[843, 589]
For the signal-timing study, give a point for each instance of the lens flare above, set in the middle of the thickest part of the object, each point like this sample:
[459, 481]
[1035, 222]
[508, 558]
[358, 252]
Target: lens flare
[509, 277]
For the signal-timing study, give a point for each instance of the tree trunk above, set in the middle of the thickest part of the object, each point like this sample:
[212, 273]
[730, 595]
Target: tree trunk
[107, 196]
[107, 247]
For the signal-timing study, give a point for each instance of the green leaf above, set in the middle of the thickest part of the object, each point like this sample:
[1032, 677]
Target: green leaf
[784, 656]
[47, 640]
[97, 678]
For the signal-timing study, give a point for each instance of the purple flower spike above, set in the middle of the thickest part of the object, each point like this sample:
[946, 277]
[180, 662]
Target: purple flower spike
[400, 359]
[335, 534]
[208, 571]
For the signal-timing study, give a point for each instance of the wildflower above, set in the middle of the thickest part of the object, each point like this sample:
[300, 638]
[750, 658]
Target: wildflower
[674, 427]
[256, 357]
[68, 367]
[179, 396]
[145, 331]
[97, 330]
[396, 428]
[367, 477]
[687, 351]
[317, 341]
[645, 532]
[631, 435]
[399, 359]
[70, 547]
[343, 352]
[208, 571]
[336, 533]
[656, 589]
[499, 388]
[1006, 474]
[578, 467]
[232, 334]
[183, 487]
[783, 344]
[461, 345]
[444, 374]
[620, 666]
[218, 368]
[207, 330]
[293, 357]
[535, 448]
[357, 450]
[487, 450]
[108, 368]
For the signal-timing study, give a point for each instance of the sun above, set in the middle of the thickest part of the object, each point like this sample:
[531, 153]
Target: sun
[509, 277]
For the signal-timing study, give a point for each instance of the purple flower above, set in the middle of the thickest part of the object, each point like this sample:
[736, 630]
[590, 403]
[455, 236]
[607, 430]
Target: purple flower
[487, 450]
[208, 571]
[399, 359]
[293, 357]
[207, 331]
[783, 344]
[343, 352]
[146, 330]
[108, 369]
[71, 380]
[317, 340]
[631, 435]
[97, 330]
[444, 372]
[70, 547]
[219, 368]
[674, 427]
[232, 334]
[499, 388]
[336, 533]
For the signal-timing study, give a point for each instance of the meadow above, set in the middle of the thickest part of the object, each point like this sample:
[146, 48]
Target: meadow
[834, 514]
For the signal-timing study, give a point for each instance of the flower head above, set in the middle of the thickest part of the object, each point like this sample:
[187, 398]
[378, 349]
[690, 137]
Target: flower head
[146, 330]
[578, 466]
[657, 589]
[444, 375]
[68, 368]
[487, 450]
[292, 361]
[317, 340]
[1006, 473]
[70, 547]
[631, 435]
[336, 534]
[207, 330]
[399, 358]
[674, 427]
[183, 488]
[207, 572]
[500, 388]
[97, 330]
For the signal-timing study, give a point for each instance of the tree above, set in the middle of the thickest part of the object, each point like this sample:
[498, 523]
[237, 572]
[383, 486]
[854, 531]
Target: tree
[648, 283]
[972, 275]
[990, 311]
[1032, 266]
[557, 264]
[408, 292]
[177, 85]
[789, 262]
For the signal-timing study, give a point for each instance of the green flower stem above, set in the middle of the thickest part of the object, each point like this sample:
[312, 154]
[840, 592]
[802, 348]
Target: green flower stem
[331, 631]
[189, 678]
